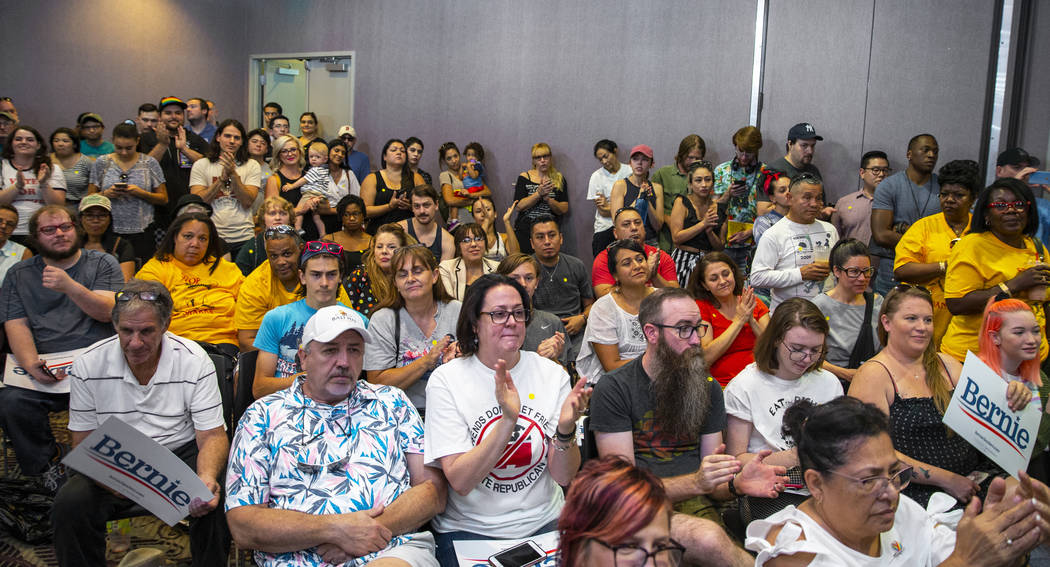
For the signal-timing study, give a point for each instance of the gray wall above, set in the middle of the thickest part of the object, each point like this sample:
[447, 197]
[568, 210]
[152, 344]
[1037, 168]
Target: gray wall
[1034, 122]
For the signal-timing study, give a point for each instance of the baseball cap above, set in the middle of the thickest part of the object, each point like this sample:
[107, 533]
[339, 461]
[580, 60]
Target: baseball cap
[803, 131]
[332, 321]
[95, 200]
[171, 100]
[642, 149]
[348, 129]
[191, 199]
[89, 117]
[9, 115]
[1017, 156]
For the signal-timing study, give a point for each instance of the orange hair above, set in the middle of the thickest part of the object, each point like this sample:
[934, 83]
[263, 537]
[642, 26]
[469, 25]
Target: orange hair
[990, 353]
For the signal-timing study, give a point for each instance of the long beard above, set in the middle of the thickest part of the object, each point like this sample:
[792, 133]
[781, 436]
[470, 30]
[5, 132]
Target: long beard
[679, 391]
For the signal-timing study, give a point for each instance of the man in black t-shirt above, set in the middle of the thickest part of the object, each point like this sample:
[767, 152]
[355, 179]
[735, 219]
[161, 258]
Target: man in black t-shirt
[563, 284]
[664, 412]
[801, 146]
[176, 148]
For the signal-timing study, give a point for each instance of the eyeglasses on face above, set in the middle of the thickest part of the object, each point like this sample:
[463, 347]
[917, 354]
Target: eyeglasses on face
[500, 317]
[322, 246]
[1005, 205]
[279, 231]
[686, 331]
[289, 151]
[124, 295]
[9, 223]
[633, 555]
[800, 354]
[876, 484]
[49, 230]
[879, 170]
[471, 239]
[854, 272]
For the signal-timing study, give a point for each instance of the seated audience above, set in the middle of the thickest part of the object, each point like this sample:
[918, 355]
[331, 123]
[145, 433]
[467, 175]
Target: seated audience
[352, 236]
[76, 167]
[57, 301]
[544, 333]
[28, 180]
[372, 284]
[541, 190]
[627, 224]
[416, 331]
[229, 181]
[851, 310]
[169, 393]
[333, 498]
[320, 273]
[477, 404]
[858, 516]
[637, 192]
[733, 316]
[696, 222]
[613, 336]
[203, 286]
[999, 255]
[923, 250]
[469, 263]
[563, 286]
[425, 223]
[738, 185]
[616, 514]
[96, 222]
[274, 211]
[599, 190]
[11, 252]
[657, 413]
[386, 192]
[497, 244]
[912, 383]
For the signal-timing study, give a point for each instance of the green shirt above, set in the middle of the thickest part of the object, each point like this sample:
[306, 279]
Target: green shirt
[674, 184]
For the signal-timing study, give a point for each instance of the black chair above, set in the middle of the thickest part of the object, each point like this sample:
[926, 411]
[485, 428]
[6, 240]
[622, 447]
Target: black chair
[244, 378]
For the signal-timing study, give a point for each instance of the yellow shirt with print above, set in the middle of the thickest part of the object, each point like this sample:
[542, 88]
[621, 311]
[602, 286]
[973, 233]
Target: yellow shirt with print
[982, 261]
[927, 241]
[262, 292]
[204, 301]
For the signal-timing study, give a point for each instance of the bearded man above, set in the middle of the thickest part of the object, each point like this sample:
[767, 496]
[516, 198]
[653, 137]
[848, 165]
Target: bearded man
[664, 412]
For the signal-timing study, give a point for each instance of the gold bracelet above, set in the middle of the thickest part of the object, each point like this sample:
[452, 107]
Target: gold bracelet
[1002, 286]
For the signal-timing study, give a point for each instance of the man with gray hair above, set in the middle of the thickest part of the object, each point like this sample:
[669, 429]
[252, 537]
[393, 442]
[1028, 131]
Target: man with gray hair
[165, 387]
[663, 412]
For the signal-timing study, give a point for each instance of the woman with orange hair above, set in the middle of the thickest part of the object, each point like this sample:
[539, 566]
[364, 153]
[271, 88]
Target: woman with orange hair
[616, 514]
[539, 191]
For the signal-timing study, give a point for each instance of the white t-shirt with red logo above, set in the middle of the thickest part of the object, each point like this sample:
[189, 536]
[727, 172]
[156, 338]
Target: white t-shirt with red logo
[31, 197]
[519, 496]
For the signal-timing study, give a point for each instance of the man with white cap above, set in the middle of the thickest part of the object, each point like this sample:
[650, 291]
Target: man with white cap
[330, 470]
[355, 161]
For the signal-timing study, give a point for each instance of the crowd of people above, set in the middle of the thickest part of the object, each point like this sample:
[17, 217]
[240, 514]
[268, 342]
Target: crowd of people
[754, 369]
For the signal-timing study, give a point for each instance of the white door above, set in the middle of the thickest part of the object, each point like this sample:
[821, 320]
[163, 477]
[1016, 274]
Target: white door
[319, 82]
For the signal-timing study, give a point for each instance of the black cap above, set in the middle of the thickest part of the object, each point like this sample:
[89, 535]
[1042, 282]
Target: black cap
[803, 131]
[1017, 156]
[191, 199]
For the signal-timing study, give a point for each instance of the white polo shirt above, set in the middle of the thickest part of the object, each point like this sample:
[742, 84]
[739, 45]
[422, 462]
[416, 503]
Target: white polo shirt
[181, 398]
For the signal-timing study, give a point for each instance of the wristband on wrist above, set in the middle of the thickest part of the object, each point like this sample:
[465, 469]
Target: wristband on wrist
[732, 488]
[563, 437]
[1003, 286]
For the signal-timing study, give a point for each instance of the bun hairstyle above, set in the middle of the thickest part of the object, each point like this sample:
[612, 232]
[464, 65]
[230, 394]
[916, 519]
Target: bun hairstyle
[825, 434]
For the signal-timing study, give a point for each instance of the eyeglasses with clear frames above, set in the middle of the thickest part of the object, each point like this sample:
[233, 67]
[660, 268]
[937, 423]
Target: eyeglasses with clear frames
[686, 331]
[500, 317]
[632, 555]
[876, 484]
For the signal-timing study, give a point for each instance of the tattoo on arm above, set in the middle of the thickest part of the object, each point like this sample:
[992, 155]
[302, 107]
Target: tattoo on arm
[925, 473]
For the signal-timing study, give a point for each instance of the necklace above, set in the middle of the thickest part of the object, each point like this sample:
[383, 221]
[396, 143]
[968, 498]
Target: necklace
[553, 272]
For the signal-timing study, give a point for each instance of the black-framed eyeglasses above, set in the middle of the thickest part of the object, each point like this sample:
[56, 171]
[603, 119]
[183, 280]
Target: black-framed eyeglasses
[879, 170]
[854, 272]
[124, 295]
[799, 354]
[876, 484]
[500, 317]
[323, 246]
[1005, 205]
[633, 555]
[686, 331]
[279, 231]
[902, 287]
[49, 230]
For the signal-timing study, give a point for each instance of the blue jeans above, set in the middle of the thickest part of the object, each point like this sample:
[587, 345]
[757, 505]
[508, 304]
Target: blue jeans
[446, 551]
[884, 281]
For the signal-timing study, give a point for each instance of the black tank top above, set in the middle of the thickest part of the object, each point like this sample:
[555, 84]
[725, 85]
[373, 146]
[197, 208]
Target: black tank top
[383, 196]
[434, 247]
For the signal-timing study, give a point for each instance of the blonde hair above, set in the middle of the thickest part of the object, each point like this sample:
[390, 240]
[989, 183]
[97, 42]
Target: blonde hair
[383, 289]
[319, 147]
[275, 202]
[556, 177]
[279, 144]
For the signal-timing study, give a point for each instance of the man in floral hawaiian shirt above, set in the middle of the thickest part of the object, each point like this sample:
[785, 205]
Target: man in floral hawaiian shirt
[330, 470]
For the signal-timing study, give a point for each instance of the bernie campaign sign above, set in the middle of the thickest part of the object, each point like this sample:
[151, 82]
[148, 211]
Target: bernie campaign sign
[118, 456]
[16, 375]
[979, 413]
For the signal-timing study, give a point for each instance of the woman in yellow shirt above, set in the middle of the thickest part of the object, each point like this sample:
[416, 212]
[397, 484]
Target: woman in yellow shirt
[922, 252]
[203, 286]
[1000, 256]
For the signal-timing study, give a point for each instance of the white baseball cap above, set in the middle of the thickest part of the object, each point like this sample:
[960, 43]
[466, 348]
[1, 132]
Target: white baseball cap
[348, 129]
[332, 321]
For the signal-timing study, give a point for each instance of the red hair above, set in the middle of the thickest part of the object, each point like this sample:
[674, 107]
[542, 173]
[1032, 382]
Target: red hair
[610, 500]
[990, 352]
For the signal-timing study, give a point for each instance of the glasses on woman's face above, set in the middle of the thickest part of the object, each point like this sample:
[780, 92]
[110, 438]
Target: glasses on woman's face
[876, 484]
[472, 239]
[500, 317]
[799, 354]
[1003, 206]
[289, 151]
[633, 555]
[854, 272]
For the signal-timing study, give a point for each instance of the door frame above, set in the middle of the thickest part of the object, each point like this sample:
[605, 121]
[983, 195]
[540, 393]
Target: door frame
[255, 69]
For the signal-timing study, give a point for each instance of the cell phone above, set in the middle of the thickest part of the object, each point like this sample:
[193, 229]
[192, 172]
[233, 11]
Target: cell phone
[46, 370]
[1039, 178]
[121, 185]
[521, 555]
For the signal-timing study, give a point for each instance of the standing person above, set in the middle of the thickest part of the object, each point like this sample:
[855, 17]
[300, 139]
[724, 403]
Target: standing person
[355, 161]
[539, 191]
[386, 191]
[96, 222]
[310, 129]
[372, 283]
[999, 255]
[673, 179]
[197, 119]
[456, 202]
[91, 131]
[11, 252]
[414, 147]
[544, 333]
[900, 200]
[148, 117]
[696, 221]
[260, 150]
[274, 211]
[737, 185]
[498, 245]
[636, 191]
[469, 263]
[76, 167]
[735, 316]
[134, 182]
[352, 237]
[270, 111]
[229, 182]
[175, 149]
[851, 310]
[280, 126]
[28, 178]
[922, 253]
[425, 225]
[501, 425]
[852, 216]
[342, 181]
[599, 190]
[801, 146]
[288, 179]
[416, 331]
[779, 196]
[792, 258]
[563, 286]
[168, 392]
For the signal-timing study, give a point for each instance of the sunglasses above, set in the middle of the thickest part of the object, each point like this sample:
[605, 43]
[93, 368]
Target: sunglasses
[143, 295]
[279, 231]
[903, 287]
[322, 246]
[1004, 205]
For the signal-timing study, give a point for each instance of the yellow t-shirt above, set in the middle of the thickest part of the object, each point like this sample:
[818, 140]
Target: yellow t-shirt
[927, 241]
[204, 302]
[262, 292]
[982, 261]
